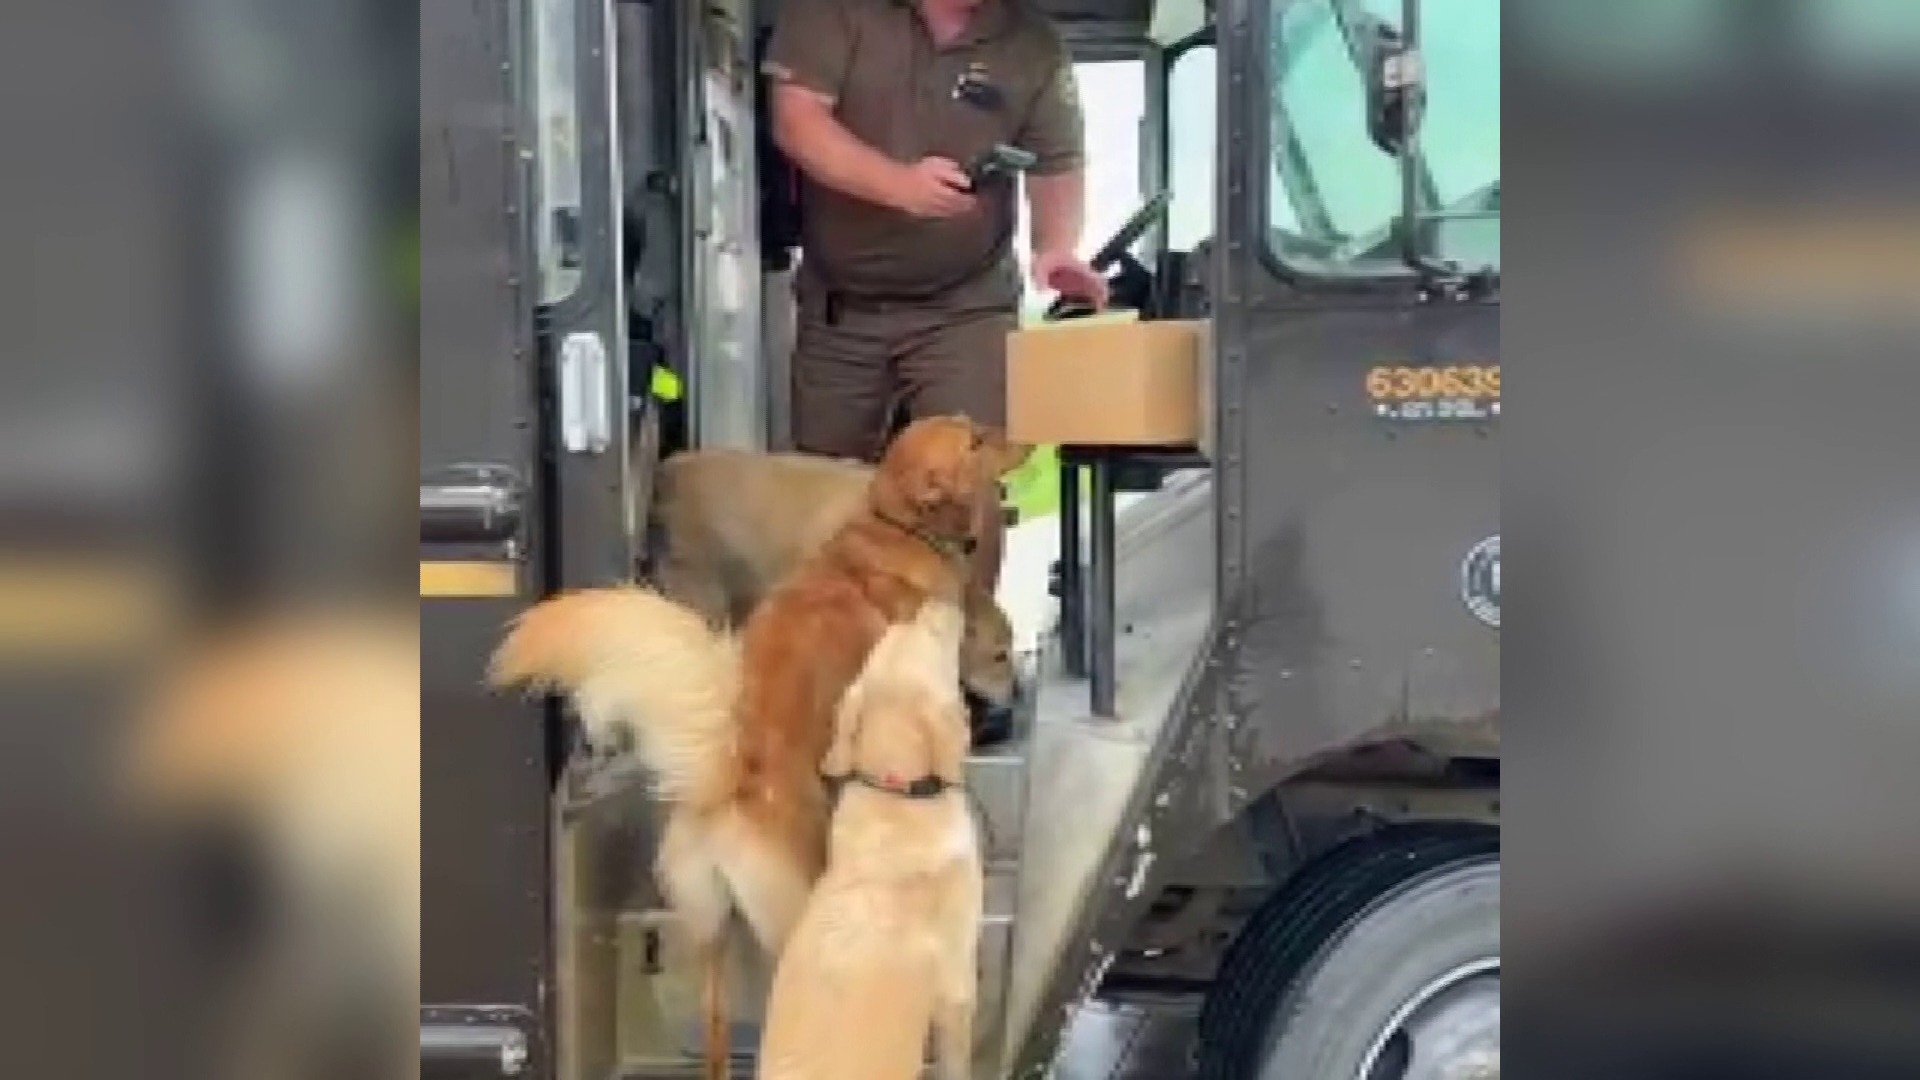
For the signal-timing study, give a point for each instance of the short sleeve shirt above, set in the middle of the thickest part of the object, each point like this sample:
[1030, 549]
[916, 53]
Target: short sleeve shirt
[1006, 79]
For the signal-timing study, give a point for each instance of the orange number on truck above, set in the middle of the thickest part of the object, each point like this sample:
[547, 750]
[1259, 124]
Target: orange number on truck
[1404, 383]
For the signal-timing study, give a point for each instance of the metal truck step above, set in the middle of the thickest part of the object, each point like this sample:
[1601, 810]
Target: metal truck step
[996, 954]
[997, 782]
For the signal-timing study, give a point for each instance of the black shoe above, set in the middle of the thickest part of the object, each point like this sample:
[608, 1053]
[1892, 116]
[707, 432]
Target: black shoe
[991, 724]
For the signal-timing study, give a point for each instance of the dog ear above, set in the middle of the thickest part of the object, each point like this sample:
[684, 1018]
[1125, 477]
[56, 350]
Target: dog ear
[944, 736]
[933, 494]
[839, 758]
[928, 489]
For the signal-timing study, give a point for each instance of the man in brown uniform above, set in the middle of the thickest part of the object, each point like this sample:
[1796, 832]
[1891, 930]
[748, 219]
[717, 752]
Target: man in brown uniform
[907, 285]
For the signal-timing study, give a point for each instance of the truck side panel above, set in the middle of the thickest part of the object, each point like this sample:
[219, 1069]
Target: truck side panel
[1345, 535]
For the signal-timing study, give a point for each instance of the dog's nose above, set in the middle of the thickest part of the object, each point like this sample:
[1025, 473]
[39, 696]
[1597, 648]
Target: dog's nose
[991, 723]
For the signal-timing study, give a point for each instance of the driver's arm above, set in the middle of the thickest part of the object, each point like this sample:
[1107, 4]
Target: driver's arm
[806, 63]
[1057, 182]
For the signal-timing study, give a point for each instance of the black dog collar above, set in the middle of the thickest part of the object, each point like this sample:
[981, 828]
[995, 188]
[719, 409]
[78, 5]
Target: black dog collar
[922, 787]
[953, 547]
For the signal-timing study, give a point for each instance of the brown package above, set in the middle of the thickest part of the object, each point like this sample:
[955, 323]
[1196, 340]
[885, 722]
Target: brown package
[1105, 383]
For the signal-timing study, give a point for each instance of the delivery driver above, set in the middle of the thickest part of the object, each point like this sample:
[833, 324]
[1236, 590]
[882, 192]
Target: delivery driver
[907, 286]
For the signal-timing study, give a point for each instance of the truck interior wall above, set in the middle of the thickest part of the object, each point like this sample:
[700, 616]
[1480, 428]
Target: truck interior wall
[649, 133]
[722, 194]
[777, 329]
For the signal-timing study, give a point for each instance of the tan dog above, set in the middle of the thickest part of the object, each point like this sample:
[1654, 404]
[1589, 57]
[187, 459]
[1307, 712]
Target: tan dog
[887, 948]
[736, 734]
[731, 524]
[305, 733]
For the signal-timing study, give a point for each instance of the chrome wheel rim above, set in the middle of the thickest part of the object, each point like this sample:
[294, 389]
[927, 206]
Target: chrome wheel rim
[1448, 1030]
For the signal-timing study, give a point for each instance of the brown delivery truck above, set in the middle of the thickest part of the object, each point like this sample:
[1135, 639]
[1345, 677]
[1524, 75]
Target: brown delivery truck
[1254, 786]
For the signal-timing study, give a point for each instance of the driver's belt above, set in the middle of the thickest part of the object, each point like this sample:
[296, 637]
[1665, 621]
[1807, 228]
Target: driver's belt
[837, 301]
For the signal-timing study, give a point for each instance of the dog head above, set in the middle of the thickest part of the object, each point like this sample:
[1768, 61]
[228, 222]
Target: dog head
[986, 654]
[902, 718]
[941, 474]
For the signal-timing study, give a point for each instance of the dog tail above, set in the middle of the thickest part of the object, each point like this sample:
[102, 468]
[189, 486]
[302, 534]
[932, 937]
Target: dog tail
[634, 662]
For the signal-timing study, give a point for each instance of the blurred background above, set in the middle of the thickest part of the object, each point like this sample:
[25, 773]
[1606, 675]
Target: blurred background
[1712, 499]
[207, 402]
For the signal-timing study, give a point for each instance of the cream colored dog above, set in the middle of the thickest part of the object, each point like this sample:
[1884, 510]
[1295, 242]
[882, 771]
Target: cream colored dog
[731, 523]
[886, 949]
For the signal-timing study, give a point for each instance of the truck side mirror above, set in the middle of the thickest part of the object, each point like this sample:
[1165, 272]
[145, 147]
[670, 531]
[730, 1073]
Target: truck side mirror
[1396, 89]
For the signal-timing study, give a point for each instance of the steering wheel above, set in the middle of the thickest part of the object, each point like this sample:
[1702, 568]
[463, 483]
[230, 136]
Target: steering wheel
[1115, 251]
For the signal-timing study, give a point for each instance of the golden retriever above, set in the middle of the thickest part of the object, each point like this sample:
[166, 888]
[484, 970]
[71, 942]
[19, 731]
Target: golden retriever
[886, 950]
[735, 732]
[730, 524]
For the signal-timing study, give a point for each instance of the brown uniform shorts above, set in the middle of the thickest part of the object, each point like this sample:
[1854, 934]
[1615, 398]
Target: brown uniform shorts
[855, 361]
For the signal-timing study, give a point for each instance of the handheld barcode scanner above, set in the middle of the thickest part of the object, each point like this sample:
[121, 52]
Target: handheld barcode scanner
[1001, 162]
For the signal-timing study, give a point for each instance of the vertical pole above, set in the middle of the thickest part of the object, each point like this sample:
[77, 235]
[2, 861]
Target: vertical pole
[1073, 602]
[1100, 624]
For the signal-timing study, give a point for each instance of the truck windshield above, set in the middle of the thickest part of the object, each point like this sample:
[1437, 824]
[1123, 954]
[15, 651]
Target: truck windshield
[1333, 196]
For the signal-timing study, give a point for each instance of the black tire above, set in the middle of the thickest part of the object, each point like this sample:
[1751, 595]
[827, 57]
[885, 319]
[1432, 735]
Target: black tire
[1325, 964]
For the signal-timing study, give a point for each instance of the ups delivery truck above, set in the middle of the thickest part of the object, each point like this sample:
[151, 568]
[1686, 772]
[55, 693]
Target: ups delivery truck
[1256, 779]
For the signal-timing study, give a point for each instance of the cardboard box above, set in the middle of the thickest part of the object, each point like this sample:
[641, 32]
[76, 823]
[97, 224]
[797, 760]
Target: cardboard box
[1203, 345]
[1105, 383]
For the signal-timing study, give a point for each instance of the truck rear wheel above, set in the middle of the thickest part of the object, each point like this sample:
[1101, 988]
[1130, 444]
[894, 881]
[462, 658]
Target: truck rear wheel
[1379, 962]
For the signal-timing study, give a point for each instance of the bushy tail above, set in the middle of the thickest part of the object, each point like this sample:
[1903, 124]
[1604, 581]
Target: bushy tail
[634, 661]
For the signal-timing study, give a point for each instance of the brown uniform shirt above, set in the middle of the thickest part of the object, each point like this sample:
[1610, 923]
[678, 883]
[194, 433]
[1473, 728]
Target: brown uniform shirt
[898, 92]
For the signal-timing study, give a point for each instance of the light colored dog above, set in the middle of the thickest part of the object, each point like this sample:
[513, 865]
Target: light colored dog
[886, 950]
[729, 524]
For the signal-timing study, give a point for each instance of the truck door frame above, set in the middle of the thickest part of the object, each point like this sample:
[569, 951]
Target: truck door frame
[485, 940]
[582, 335]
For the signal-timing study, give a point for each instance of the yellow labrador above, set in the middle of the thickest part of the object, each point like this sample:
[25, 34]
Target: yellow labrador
[886, 949]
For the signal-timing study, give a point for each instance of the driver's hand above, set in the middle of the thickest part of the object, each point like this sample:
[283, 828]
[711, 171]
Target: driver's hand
[1069, 275]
